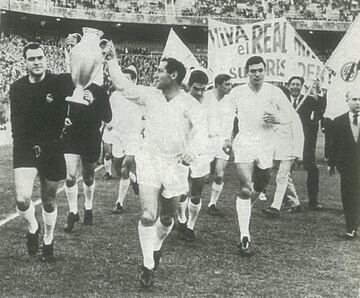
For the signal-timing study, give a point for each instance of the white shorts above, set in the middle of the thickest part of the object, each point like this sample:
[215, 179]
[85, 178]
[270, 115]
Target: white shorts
[133, 145]
[126, 146]
[217, 148]
[247, 152]
[200, 167]
[118, 148]
[158, 172]
[108, 136]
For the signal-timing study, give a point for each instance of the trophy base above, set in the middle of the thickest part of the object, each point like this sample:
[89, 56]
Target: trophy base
[79, 101]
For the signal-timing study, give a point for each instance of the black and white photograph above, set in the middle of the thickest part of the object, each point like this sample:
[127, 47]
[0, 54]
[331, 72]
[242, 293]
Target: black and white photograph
[179, 148]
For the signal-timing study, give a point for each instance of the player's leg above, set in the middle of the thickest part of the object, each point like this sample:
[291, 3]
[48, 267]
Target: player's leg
[175, 184]
[146, 228]
[124, 182]
[118, 162]
[165, 222]
[108, 160]
[149, 186]
[243, 204]
[49, 215]
[217, 186]
[52, 169]
[132, 174]
[24, 181]
[181, 215]
[71, 189]
[88, 174]
[194, 205]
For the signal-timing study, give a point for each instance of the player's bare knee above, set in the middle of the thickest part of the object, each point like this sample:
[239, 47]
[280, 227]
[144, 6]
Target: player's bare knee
[107, 156]
[89, 180]
[183, 197]
[48, 205]
[147, 219]
[23, 205]
[125, 173]
[195, 199]
[167, 220]
[245, 192]
[219, 179]
[70, 180]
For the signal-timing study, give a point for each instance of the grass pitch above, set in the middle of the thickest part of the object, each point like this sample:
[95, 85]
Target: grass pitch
[298, 255]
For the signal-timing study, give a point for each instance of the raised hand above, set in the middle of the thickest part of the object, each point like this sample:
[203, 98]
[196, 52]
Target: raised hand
[109, 51]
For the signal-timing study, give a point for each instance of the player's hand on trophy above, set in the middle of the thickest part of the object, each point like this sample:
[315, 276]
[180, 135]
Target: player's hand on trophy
[227, 146]
[186, 158]
[109, 51]
[88, 96]
[67, 122]
[70, 41]
[271, 118]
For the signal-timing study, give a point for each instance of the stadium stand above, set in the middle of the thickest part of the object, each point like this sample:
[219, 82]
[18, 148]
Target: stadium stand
[341, 10]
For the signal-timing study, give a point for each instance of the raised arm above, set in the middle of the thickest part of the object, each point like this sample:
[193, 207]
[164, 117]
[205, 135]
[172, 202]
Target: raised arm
[119, 79]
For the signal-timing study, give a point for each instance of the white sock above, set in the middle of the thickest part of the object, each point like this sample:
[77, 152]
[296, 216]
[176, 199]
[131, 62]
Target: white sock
[243, 209]
[89, 195]
[181, 212]
[29, 216]
[72, 197]
[49, 223]
[132, 177]
[194, 211]
[215, 193]
[146, 236]
[108, 165]
[161, 232]
[123, 189]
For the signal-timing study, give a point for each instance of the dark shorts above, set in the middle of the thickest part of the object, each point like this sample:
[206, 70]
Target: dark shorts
[47, 158]
[87, 147]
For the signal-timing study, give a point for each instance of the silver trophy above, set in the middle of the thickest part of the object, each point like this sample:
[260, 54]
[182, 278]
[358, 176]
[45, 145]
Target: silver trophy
[84, 61]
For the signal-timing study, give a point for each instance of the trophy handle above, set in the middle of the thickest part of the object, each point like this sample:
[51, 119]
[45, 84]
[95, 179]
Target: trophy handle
[68, 49]
[103, 41]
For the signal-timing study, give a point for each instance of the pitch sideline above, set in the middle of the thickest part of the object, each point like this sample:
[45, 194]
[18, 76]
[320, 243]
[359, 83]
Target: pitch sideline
[38, 201]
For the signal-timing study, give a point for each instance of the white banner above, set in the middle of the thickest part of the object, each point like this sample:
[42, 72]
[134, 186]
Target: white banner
[345, 65]
[284, 51]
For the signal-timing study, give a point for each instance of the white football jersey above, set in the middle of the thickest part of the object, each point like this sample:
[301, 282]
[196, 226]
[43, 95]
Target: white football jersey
[171, 127]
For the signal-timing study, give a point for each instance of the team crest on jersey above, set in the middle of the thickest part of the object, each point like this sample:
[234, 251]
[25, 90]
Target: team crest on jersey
[349, 71]
[49, 98]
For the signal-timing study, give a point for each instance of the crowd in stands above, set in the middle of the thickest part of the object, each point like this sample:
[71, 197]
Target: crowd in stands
[12, 66]
[340, 10]
[123, 6]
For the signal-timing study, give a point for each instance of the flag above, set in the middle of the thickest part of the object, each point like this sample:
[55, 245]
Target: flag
[175, 48]
[344, 64]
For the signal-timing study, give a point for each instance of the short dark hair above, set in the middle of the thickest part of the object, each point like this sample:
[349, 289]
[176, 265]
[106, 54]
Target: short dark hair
[296, 78]
[198, 76]
[221, 78]
[254, 60]
[32, 46]
[131, 73]
[173, 65]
